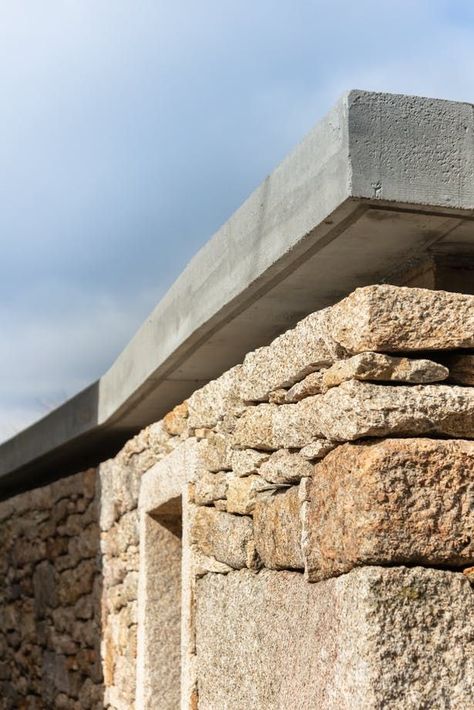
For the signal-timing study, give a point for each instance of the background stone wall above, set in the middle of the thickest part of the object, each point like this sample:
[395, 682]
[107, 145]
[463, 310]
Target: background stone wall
[50, 593]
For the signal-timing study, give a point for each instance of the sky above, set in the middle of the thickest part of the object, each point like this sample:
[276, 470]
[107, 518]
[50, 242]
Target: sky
[130, 130]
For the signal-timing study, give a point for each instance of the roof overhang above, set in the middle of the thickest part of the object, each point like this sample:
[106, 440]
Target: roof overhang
[381, 180]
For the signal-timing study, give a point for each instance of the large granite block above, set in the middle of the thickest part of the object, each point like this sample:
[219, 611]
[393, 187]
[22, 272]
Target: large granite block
[396, 318]
[375, 638]
[396, 501]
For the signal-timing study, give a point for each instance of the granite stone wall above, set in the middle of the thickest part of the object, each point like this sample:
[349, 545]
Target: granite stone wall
[327, 489]
[50, 596]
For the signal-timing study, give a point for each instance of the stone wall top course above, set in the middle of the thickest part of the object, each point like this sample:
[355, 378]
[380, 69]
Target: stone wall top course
[397, 318]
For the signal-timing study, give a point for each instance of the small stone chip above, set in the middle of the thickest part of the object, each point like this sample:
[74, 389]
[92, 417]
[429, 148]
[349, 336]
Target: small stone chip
[469, 573]
[383, 368]
[285, 467]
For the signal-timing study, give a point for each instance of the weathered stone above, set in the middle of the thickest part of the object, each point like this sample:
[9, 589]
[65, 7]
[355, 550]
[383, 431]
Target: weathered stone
[318, 449]
[220, 504]
[210, 487]
[461, 368]
[397, 501]
[311, 385]
[374, 638]
[214, 453]
[289, 358]
[76, 582]
[228, 538]
[175, 422]
[243, 493]
[285, 467]
[384, 368]
[45, 588]
[277, 530]
[202, 564]
[119, 487]
[469, 573]
[208, 405]
[247, 461]
[122, 535]
[393, 318]
[277, 396]
[359, 409]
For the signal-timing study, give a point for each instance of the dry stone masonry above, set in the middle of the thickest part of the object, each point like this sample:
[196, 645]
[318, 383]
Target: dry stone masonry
[327, 493]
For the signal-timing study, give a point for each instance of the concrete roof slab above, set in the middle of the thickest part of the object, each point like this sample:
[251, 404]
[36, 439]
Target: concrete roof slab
[381, 179]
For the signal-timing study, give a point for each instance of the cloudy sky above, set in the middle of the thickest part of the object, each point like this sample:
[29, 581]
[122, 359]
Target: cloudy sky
[131, 129]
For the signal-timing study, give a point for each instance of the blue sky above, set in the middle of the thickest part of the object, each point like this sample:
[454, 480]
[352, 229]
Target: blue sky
[131, 129]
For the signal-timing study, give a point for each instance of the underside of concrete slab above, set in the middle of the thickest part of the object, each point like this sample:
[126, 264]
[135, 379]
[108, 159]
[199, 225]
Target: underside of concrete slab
[381, 190]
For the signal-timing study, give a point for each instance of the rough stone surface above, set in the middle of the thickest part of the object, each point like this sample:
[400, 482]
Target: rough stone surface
[396, 318]
[312, 384]
[159, 610]
[396, 501]
[210, 487]
[277, 529]
[291, 357]
[228, 538]
[208, 405]
[375, 638]
[70, 564]
[214, 453]
[50, 597]
[359, 409]
[247, 461]
[243, 493]
[175, 422]
[318, 449]
[385, 368]
[286, 467]
[461, 369]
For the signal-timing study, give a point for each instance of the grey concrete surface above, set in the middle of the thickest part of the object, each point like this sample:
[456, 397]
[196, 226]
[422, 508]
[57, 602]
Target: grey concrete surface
[380, 181]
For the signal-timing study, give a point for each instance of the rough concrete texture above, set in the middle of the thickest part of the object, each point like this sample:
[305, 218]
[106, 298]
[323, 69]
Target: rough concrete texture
[359, 409]
[308, 217]
[385, 368]
[375, 638]
[277, 529]
[228, 538]
[396, 501]
[393, 318]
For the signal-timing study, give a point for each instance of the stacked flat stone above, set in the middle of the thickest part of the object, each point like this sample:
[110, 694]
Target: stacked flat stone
[329, 526]
[350, 373]
[347, 443]
[50, 597]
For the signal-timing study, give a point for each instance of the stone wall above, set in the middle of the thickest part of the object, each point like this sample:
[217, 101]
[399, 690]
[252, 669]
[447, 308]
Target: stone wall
[50, 591]
[328, 526]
